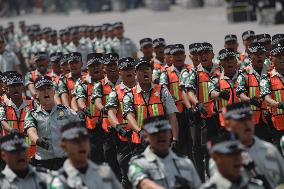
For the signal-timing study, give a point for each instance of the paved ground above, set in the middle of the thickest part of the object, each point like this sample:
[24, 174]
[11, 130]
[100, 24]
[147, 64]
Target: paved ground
[179, 25]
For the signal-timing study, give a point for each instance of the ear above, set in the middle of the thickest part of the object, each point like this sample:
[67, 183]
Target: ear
[4, 156]
[63, 145]
[37, 94]
[228, 126]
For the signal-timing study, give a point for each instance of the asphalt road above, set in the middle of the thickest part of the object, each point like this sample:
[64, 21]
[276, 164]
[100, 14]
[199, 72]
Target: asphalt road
[179, 25]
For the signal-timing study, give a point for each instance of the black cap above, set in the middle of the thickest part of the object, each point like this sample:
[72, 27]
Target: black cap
[14, 78]
[226, 53]
[40, 55]
[248, 34]
[145, 42]
[277, 37]
[226, 143]
[256, 47]
[97, 28]
[46, 30]
[111, 58]
[64, 59]
[73, 131]
[126, 62]
[95, 58]
[118, 25]
[231, 37]
[43, 81]
[193, 48]
[74, 57]
[156, 124]
[177, 48]
[142, 61]
[277, 48]
[105, 26]
[12, 142]
[1, 76]
[205, 46]
[159, 42]
[167, 49]
[53, 33]
[237, 111]
[7, 74]
[74, 31]
[55, 57]
[263, 38]
[22, 23]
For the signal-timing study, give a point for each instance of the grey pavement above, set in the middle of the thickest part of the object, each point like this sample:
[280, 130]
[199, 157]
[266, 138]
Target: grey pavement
[179, 25]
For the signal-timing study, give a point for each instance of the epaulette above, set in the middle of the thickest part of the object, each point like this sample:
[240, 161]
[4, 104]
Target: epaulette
[137, 157]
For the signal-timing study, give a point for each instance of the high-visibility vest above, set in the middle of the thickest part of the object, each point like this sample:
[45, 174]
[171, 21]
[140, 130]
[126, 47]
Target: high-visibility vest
[35, 76]
[203, 91]
[243, 56]
[120, 93]
[143, 109]
[158, 66]
[95, 114]
[277, 88]
[225, 85]
[106, 89]
[253, 90]
[18, 123]
[175, 89]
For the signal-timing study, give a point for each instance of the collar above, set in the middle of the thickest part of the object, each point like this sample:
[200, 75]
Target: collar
[139, 89]
[11, 103]
[73, 172]
[150, 156]
[174, 69]
[275, 73]
[110, 83]
[200, 68]
[11, 176]
[40, 109]
[222, 76]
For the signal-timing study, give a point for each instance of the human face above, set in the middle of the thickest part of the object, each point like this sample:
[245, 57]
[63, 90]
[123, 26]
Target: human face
[127, 75]
[278, 61]
[75, 67]
[144, 74]
[230, 66]
[15, 91]
[205, 58]
[41, 65]
[229, 165]
[2, 46]
[96, 71]
[45, 94]
[159, 51]
[147, 51]
[232, 45]
[178, 59]
[111, 70]
[16, 160]
[65, 68]
[78, 149]
[160, 142]
[194, 58]
[118, 32]
[56, 67]
[244, 128]
[168, 60]
[75, 38]
[247, 43]
[67, 38]
[257, 60]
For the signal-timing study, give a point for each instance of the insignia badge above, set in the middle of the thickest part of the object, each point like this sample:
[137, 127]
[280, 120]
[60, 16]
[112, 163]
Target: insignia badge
[156, 93]
[61, 113]
[185, 74]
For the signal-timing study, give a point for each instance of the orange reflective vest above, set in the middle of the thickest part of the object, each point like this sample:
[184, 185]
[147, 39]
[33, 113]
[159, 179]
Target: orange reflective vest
[175, 89]
[18, 123]
[120, 93]
[225, 85]
[95, 114]
[203, 91]
[106, 89]
[143, 109]
[158, 66]
[253, 90]
[35, 76]
[277, 88]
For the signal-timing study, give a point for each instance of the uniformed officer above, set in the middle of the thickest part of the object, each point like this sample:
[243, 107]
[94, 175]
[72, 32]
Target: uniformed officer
[147, 99]
[265, 39]
[98, 42]
[158, 166]
[53, 46]
[226, 152]
[248, 38]
[78, 171]
[8, 59]
[223, 88]
[83, 92]
[64, 66]
[41, 64]
[231, 42]
[168, 58]
[159, 45]
[123, 46]
[262, 160]
[271, 91]
[146, 47]
[43, 125]
[125, 138]
[18, 173]
[100, 95]
[67, 82]
[248, 88]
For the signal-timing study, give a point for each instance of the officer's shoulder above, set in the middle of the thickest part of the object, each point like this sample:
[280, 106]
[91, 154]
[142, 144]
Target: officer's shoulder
[62, 107]
[137, 157]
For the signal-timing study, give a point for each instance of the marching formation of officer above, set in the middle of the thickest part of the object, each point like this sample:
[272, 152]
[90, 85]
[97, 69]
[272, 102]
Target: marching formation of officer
[79, 109]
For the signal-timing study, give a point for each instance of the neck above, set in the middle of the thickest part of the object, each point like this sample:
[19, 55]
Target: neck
[159, 153]
[145, 86]
[179, 68]
[79, 164]
[208, 68]
[17, 101]
[76, 76]
[248, 142]
[129, 84]
[113, 79]
[48, 106]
